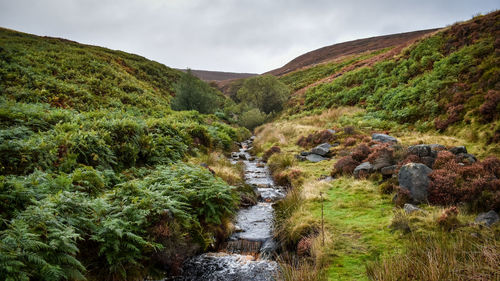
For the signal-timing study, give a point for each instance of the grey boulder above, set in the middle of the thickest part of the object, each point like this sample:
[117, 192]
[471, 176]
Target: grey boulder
[410, 208]
[421, 150]
[458, 149]
[315, 158]
[363, 169]
[389, 170]
[321, 149]
[414, 177]
[383, 138]
[488, 218]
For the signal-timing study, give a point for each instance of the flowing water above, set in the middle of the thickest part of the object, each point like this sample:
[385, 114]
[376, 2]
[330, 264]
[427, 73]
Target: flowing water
[245, 256]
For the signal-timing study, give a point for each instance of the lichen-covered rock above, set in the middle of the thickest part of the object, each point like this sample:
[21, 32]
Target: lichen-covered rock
[414, 177]
[488, 218]
[389, 170]
[421, 150]
[322, 149]
[363, 170]
[410, 208]
[384, 138]
[315, 158]
[458, 149]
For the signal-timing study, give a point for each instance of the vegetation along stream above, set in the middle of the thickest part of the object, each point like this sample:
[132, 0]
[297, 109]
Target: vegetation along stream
[247, 253]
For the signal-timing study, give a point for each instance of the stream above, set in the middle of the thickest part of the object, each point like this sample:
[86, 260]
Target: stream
[246, 255]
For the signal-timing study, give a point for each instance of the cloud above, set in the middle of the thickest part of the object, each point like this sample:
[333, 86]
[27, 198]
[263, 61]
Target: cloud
[228, 35]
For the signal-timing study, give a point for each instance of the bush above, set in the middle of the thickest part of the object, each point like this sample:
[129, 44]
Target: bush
[265, 92]
[316, 138]
[271, 151]
[476, 184]
[345, 166]
[252, 118]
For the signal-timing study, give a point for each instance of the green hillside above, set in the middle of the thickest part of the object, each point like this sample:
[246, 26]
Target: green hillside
[442, 89]
[92, 179]
[446, 82]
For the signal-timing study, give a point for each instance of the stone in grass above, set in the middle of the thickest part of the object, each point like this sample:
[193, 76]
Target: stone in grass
[488, 219]
[414, 177]
[383, 138]
[410, 208]
[389, 170]
[421, 150]
[363, 170]
[322, 149]
[315, 158]
[458, 149]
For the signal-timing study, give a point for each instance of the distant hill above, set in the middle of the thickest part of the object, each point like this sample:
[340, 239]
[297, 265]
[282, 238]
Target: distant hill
[359, 46]
[219, 75]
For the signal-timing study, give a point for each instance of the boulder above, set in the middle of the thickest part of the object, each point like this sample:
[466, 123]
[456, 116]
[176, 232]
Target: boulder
[410, 208]
[315, 158]
[363, 170]
[305, 153]
[383, 138]
[300, 157]
[428, 161]
[331, 131]
[435, 148]
[389, 170]
[414, 177]
[466, 158]
[458, 149]
[235, 155]
[242, 156]
[321, 149]
[421, 150]
[488, 218]
[335, 144]
[384, 159]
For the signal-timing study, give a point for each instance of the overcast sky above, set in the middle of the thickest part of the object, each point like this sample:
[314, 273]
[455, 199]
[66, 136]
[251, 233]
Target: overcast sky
[229, 35]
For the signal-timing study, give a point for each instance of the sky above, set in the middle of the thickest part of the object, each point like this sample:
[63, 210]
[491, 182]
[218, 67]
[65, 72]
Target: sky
[252, 36]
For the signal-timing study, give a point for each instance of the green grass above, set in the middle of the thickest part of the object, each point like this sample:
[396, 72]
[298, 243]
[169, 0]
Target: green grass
[357, 217]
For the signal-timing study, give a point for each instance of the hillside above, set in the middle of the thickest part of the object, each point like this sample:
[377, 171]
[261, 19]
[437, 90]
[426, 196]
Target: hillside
[94, 179]
[350, 48]
[207, 75]
[391, 159]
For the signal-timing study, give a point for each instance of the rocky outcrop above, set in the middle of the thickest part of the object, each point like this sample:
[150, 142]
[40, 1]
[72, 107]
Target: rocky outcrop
[414, 177]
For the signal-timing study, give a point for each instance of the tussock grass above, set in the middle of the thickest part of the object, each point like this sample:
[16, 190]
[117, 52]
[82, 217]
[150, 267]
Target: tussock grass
[232, 174]
[442, 257]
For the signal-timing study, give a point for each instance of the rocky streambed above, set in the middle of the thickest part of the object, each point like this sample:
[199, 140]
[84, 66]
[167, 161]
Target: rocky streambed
[246, 255]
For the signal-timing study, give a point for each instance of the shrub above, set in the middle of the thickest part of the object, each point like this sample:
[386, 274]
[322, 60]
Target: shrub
[489, 109]
[271, 151]
[361, 152]
[475, 184]
[345, 166]
[316, 138]
[350, 142]
[448, 219]
[252, 118]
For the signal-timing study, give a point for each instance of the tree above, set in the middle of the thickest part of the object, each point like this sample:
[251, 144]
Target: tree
[193, 94]
[264, 92]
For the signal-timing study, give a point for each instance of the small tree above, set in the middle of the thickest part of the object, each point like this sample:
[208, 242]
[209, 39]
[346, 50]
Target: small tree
[193, 94]
[264, 92]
